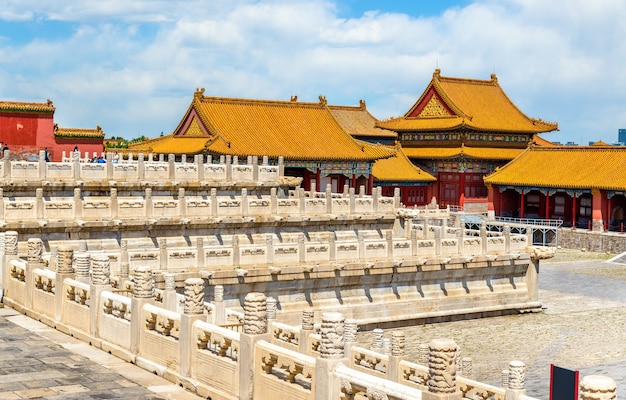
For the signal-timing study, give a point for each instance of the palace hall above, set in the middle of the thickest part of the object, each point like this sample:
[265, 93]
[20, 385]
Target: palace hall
[584, 186]
[460, 130]
[312, 142]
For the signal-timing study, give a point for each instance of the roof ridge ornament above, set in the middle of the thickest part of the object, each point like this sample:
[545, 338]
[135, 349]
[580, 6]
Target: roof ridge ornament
[199, 93]
[294, 98]
[362, 104]
[323, 100]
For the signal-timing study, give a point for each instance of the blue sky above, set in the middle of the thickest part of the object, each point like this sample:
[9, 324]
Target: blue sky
[132, 66]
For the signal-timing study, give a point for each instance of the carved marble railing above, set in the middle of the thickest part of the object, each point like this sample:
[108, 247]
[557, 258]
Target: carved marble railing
[114, 319]
[15, 282]
[416, 375]
[353, 382]
[159, 342]
[282, 373]
[135, 169]
[186, 207]
[75, 309]
[369, 362]
[44, 291]
[235, 255]
[284, 335]
[480, 391]
[215, 359]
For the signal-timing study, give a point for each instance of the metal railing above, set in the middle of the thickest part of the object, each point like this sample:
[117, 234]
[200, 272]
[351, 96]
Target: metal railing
[531, 221]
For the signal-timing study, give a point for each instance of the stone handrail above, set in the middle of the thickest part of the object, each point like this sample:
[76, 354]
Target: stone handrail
[285, 335]
[200, 169]
[296, 372]
[215, 360]
[355, 382]
[312, 253]
[116, 209]
[481, 391]
[76, 305]
[369, 361]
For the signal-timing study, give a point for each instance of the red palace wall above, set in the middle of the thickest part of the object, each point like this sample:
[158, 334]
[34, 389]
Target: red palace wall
[67, 146]
[27, 133]
[26, 129]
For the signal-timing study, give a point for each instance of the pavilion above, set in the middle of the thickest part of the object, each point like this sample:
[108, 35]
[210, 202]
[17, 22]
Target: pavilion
[312, 143]
[461, 130]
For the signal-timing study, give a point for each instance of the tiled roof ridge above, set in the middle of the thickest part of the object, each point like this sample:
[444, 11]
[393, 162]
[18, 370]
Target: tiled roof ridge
[25, 106]
[153, 140]
[488, 82]
[590, 148]
[96, 132]
[242, 100]
[362, 106]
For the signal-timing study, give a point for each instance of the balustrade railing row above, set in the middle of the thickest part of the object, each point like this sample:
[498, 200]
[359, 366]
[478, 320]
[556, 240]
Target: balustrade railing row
[228, 169]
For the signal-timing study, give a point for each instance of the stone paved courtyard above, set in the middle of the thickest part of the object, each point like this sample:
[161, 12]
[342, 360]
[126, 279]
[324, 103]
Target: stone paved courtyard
[581, 327]
[38, 362]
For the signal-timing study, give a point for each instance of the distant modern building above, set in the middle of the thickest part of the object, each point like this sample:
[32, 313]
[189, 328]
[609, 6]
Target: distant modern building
[621, 136]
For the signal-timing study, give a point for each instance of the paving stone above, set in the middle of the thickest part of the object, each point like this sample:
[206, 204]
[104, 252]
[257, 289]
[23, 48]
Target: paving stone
[580, 328]
[35, 366]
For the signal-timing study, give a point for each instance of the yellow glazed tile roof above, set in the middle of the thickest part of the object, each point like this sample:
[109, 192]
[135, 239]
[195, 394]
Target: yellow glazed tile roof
[452, 103]
[242, 127]
[170, 144]
[21, 106]
[85, 133]
[539, 141]
[479, 153]
[357, 121]
[570, 167]
[399, 169]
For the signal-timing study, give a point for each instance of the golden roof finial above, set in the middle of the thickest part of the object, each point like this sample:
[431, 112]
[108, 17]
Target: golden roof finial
[199, 92]
[437, 73]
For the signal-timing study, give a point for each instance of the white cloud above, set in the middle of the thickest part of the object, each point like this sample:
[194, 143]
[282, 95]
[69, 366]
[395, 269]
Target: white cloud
[132, 66]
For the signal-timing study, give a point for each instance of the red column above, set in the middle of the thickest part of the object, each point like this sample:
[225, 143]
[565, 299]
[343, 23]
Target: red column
[490, 207]
[547, 213]
[354, 181]
[498, 195]
[574, 211]
[370, 184]
[461, 186]
[597, 223]
[608, 213]
[318, 181]
[522, 205]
